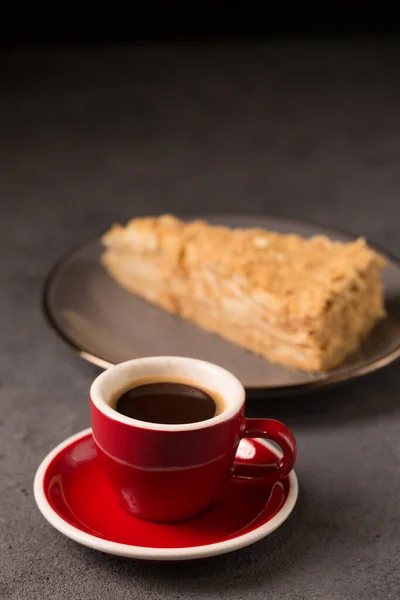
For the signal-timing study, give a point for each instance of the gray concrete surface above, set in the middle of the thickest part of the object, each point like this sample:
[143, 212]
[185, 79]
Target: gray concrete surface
[92, 136]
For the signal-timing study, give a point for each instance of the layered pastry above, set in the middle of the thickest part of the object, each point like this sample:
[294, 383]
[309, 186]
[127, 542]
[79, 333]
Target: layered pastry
[304, 303]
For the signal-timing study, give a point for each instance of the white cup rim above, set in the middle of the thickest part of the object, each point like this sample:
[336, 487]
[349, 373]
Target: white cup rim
[115, 378]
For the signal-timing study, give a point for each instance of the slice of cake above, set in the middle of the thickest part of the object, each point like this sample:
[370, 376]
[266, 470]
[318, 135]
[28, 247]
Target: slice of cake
[304, 303]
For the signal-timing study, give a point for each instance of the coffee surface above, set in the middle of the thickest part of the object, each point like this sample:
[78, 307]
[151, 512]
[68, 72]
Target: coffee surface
[170, 403]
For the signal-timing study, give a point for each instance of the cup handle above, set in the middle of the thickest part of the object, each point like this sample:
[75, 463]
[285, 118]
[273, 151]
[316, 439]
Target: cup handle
[266, 474]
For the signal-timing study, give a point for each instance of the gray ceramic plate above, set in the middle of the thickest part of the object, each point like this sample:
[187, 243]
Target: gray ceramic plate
[106, 325]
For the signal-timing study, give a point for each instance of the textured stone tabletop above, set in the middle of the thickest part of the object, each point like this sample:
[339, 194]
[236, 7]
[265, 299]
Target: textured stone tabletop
[92, 136]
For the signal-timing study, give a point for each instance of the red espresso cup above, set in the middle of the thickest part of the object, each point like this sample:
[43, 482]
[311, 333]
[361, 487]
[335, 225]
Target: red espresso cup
[167, 473]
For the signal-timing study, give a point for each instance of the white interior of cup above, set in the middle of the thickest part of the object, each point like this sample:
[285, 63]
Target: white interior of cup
[207, 376]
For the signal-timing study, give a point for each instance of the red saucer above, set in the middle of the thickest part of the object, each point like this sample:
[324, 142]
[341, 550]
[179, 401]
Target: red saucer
[74, 496]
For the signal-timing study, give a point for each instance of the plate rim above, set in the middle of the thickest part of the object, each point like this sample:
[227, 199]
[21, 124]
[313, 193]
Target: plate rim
[323, 381]
[151, 553]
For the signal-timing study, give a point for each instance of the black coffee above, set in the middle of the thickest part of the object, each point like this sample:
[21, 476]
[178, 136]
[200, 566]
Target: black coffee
[170, 403]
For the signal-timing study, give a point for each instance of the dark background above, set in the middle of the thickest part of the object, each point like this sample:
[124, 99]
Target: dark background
[124, 22]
